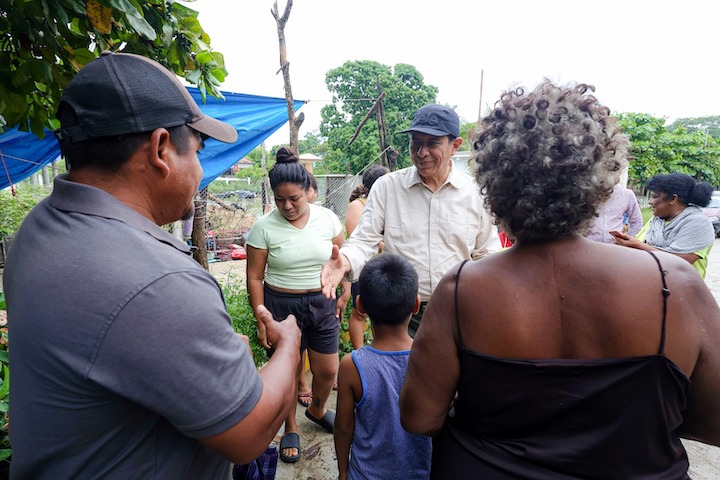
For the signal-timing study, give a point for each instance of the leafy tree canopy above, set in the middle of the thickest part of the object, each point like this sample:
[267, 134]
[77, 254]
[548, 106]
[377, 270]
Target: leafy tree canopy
[709, 125]
[354, 89]
[656, 149]
[44, 43]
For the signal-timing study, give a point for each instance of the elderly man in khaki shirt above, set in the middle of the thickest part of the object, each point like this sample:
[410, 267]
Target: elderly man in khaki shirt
[430, 213]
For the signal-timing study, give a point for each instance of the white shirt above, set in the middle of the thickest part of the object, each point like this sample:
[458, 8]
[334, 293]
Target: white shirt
[434, 231]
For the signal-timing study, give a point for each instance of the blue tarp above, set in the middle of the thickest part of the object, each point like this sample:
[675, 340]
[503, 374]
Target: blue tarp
[254, 117]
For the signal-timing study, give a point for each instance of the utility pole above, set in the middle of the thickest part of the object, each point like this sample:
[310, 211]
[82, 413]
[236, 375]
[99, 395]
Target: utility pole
[481, 92]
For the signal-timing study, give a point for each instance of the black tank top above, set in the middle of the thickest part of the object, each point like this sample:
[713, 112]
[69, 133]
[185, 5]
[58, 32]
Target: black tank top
[606, 418]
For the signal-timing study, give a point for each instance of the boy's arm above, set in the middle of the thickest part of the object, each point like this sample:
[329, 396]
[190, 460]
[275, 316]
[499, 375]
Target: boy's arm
[349, 386]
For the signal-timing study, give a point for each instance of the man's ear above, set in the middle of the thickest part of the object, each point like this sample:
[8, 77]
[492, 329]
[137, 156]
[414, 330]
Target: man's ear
[159, 153]
[416, 309]
[358, 306]
[456, 144]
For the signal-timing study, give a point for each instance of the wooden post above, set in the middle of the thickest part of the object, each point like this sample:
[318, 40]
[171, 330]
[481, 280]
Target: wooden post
[294, 121]
[199, 234]
[381, 125]
[480, 105]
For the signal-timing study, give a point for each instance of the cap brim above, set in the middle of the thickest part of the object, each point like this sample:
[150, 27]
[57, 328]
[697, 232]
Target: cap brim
[215, 129]
[427, 130]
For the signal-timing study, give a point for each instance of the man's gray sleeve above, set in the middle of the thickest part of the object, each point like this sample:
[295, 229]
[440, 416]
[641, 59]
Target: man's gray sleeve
[171, 348]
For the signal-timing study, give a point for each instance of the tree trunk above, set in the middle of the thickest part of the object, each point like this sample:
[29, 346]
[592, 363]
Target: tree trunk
[199, 235]
[294, 121]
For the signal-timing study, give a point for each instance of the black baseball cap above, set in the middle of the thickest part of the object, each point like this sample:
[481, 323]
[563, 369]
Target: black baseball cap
[123, 93]
[437, 120]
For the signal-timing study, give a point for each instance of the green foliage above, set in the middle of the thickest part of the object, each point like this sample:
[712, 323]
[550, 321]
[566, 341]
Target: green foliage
[710, 126]
[254, 173]
[5, 450]
[238, 306]
[656, 149]
[14, 208]
[354, 90]
[44, 43]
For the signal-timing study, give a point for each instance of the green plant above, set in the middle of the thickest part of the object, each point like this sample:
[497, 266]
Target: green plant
[5, 450]
[13, 208]
[243, 320]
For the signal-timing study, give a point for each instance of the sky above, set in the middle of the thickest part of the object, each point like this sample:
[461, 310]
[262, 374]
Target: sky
[642, 56]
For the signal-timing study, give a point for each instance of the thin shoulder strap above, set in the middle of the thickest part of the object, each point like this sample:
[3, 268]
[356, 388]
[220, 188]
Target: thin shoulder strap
[457, 302]
[666, 294]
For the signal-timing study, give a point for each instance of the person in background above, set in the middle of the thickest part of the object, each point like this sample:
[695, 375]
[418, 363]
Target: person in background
[562, 357]
[621, 212]
[369, 440]
[678, 226]
[431, 213]
[358, 197]
[286, 249]
[313, 190]
[124, 360]
[304, 395]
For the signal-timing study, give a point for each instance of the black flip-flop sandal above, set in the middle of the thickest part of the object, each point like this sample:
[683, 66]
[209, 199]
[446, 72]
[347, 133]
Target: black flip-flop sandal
[290, 440]
[327, 422]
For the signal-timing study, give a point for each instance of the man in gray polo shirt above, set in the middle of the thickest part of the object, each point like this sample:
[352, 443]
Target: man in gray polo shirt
[124, 360]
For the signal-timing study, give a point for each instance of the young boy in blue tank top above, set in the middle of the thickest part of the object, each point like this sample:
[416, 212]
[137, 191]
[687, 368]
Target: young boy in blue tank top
[370, 443]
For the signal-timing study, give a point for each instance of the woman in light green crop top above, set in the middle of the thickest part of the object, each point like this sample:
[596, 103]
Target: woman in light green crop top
[286, 251]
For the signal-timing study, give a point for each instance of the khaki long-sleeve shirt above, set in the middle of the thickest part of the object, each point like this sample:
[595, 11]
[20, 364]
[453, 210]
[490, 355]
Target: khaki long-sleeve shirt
[433, 230]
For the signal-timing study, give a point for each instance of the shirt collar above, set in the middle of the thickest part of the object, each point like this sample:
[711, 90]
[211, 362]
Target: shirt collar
[456, 178]
[85, 199]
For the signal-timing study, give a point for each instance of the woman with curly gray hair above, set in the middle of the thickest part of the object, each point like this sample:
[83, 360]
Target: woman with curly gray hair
[562, 357]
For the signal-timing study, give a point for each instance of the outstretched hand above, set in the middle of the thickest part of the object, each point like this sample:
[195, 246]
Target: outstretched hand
[620, 238]
[274, 333]
[332, 273]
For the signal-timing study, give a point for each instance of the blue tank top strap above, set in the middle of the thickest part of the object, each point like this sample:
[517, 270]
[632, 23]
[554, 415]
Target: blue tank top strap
[456, 277]
[665, 294]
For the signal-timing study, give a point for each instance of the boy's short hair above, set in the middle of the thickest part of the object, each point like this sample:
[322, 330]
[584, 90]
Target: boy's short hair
[388, 287]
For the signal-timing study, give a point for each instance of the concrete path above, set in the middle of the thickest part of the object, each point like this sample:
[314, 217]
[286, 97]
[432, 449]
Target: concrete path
[319, 462]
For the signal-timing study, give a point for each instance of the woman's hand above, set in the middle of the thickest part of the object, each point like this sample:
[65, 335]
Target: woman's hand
[262, 332]
[620, 238]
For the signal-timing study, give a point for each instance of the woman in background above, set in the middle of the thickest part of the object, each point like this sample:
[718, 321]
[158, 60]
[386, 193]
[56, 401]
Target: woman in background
[358, 197]
[562, 357]
[678, 226]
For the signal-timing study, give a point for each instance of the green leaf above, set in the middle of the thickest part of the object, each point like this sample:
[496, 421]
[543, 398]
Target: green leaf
[141, 27]
[5, 387]
[57, 11]
[5, 453]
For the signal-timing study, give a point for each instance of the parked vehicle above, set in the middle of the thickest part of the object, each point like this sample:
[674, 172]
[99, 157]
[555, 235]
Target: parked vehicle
[242, 194]
[712, 211]
[235, 252]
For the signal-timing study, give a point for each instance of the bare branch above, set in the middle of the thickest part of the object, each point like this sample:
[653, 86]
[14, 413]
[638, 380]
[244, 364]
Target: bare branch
[367, 117]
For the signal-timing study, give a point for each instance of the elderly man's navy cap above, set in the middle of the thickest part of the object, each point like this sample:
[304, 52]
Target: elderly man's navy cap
[437, 120]
[122, 93]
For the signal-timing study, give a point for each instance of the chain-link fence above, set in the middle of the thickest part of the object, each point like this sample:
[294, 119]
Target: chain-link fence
[233, 204]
